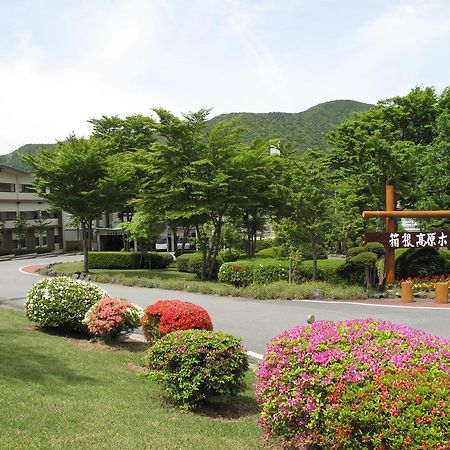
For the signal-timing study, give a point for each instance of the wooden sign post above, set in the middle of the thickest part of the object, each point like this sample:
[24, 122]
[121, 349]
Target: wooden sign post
[392, 240]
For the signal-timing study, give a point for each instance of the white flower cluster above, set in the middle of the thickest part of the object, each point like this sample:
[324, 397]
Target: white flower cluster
[61, 301]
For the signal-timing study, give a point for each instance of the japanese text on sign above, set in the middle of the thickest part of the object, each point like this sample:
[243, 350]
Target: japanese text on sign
[410, 239]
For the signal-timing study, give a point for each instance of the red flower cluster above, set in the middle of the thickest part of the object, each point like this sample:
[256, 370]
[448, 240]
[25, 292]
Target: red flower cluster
[166, 316]
[107, 316]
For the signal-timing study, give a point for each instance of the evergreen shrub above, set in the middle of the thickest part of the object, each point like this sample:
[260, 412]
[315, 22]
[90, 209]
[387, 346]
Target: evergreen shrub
[421, 262]
[245, 272]
[265, 243]
[129, 260]
[272, 252]
[327, 270]
[230, 255]
[196, 365]
[61, 302]
[165, 316]
[360, 384]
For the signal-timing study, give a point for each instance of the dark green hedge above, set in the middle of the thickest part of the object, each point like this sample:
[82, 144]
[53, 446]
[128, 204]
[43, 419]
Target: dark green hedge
[129, 260]
[259, 271]
[327, 270]
[272, 252]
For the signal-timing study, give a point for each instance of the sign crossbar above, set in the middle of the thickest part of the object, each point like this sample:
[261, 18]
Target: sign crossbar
[391, 239]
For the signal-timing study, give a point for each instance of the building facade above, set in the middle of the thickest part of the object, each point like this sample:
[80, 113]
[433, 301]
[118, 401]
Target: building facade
[26, 220]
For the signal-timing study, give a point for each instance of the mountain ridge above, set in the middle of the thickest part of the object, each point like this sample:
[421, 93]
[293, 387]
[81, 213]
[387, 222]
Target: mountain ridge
[303, 129]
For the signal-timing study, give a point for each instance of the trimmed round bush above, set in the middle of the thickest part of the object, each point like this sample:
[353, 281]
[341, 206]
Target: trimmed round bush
[272, 252]
[195, 365]
[110, 317]
[353, 251]
[183, 262]
[375, 247]
[166, 316]
[360, 384]
[230, 255]
[61, 302]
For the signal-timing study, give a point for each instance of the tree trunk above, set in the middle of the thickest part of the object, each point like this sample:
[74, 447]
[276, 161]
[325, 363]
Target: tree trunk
[214, 251]
[202, 243]
[84, 233]
[314, 256]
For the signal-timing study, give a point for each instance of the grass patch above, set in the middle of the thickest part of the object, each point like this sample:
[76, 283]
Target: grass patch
[163, 274]
[307, 290]
[59, 392]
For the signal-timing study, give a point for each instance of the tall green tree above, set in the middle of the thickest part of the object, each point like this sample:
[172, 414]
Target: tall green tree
[78, 178]
[259, 171]
[125, 135]
[384, 145]
[307, 212]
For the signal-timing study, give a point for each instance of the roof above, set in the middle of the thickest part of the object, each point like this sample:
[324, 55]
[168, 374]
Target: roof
[13, 170]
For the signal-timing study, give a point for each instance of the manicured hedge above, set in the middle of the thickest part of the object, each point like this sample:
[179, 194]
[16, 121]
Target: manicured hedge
[272, 252]
[267, 270]
[129, 260]
[326, 270]
[245, 272]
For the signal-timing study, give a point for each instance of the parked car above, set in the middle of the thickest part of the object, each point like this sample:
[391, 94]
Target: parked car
[161, 244]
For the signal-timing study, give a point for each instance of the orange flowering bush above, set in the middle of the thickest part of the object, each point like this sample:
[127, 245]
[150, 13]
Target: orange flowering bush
[166, 316]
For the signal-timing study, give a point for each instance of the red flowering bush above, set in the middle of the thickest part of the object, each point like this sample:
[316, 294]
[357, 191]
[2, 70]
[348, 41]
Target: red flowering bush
[361, 384]
[166, 316]
[111, 316]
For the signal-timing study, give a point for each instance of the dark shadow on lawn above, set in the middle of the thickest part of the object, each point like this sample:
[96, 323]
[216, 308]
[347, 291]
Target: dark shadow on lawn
[85, 340]
[32, 364]
[229, 408]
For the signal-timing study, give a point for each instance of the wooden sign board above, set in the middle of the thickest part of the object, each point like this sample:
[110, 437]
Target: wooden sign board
[410, 239]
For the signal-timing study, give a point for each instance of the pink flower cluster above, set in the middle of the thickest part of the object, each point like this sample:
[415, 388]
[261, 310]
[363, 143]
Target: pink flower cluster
[305, 369]
[107, 316]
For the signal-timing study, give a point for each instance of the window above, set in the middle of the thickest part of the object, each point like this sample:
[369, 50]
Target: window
[29, 215]
[8, 215]
[49, 214]
[16, 243]
[7, 187]
[26, 188]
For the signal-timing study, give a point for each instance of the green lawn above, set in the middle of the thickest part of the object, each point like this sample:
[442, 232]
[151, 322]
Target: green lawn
[65, 393]
[164, 274]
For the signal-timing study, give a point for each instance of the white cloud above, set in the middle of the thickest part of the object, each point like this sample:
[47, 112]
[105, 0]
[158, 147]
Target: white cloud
[128, 56]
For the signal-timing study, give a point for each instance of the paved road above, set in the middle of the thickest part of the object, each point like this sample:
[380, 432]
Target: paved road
[256, 321]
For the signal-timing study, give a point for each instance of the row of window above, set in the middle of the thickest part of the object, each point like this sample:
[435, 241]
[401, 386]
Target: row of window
[38, 242]
[27, 215]
[11, 187]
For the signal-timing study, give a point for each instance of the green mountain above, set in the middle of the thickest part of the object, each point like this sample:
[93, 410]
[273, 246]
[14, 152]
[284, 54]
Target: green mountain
[14, 159]
[305, 129]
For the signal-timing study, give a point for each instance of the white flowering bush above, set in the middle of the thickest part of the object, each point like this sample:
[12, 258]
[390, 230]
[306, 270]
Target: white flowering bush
[61, 302]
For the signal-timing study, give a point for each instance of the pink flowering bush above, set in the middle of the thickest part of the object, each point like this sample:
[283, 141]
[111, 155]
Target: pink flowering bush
[361, 384]
[112, 316]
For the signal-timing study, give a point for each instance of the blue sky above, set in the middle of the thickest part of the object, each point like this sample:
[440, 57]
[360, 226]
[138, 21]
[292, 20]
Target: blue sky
[64, 62]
